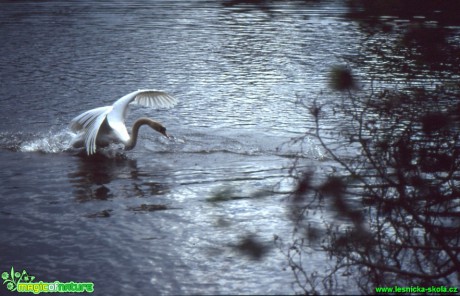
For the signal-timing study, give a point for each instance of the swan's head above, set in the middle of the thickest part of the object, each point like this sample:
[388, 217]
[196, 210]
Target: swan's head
[158, 127]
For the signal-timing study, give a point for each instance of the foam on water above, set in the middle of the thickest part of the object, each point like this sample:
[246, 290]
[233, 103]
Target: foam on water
[53, 142]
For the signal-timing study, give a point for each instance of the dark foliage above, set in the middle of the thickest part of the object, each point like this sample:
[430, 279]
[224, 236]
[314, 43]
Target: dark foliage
[405, 230]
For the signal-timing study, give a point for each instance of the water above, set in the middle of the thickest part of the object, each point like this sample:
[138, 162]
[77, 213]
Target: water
[144, 223]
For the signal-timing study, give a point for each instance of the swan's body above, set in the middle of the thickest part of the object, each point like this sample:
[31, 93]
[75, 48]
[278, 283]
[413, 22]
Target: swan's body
[104, 125]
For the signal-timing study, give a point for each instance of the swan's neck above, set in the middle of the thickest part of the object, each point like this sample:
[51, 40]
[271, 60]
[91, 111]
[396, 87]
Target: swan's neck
[135, 130]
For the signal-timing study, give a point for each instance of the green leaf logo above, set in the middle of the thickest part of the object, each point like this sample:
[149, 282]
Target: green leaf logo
[12, 278]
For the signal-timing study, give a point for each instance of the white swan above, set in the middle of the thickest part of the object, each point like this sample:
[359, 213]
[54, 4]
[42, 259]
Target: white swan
[104, 125]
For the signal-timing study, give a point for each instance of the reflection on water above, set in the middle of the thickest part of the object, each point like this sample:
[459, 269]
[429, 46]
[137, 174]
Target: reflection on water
[99, 171]
[99, 177]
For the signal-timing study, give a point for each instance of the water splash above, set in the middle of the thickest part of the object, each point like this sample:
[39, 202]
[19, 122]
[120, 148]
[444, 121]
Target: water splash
[53, 142]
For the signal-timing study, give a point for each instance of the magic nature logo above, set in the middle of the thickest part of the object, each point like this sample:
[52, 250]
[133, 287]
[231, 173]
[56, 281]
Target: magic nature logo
[24, 283]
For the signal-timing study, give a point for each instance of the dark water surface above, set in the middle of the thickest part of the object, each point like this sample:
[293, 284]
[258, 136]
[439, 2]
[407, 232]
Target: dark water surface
[143, 223]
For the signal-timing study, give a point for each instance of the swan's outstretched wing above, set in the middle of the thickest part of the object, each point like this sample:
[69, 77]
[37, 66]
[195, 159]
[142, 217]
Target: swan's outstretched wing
[89, 123]
[145, 97]
[85, 119]
[154, 98]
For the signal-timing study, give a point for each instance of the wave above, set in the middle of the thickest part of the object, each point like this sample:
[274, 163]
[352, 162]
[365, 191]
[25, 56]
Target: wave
[243, 144]
[50, 142]
[188, 142]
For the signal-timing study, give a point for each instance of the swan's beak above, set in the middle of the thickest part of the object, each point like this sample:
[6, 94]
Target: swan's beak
[166, 135]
